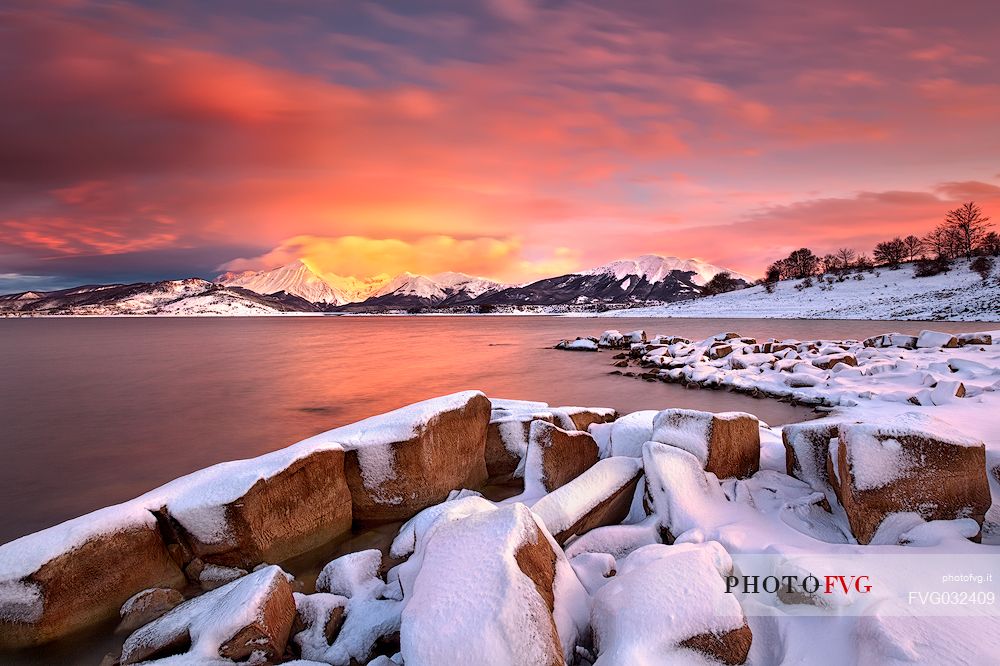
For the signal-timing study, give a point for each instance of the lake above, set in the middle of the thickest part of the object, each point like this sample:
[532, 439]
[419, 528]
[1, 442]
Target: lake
[97, 411]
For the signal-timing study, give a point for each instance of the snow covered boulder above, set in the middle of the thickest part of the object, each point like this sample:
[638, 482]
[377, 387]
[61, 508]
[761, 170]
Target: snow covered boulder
[718, 351]
[975, 339]
[400, 462]
[602, 495]
[678, 490]
[612, 340]
[581, 418]
[580, 344]
[806, 448]
[668, 605]
[911, 463]
[268, 509]
[827, 361]
[626, 435]
[929, 339]
[556, 456]
[507, 440]
[492, 589]
[727, 443]
[248, 618]
[80, 573]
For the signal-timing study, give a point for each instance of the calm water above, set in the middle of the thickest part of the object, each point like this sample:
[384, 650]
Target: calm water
[96, 411]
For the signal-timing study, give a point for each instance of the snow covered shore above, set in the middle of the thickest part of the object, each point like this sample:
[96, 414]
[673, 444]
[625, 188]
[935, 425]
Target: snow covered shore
[884, 294]
[634, 539]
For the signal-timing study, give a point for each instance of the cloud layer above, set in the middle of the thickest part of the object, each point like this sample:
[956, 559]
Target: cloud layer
[508, 138]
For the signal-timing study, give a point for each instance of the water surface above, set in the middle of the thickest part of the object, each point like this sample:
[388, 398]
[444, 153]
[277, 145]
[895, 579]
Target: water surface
[97, 411]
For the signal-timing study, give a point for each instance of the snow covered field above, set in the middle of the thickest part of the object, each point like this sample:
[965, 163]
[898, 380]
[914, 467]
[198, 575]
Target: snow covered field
[657, 537]
[960, 295]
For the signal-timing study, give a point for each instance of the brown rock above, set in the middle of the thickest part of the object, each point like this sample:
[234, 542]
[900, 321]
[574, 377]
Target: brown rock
[807, 446]
[730, 647]
[298, 509]
[268, 633]
[607, 490]
[146, 606]
[507, 441]
[556, 456]
[87, 585]
[719, 351]
[583, 417]
[975, 339]
[727, 443]
[537, 561]
[827, 362]
[445, 453]
[927, 469]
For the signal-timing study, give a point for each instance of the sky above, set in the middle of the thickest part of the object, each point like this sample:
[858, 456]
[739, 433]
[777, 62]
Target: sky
[513, 139]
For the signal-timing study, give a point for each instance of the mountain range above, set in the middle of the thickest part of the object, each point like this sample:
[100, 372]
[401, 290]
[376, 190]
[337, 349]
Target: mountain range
[298, 288]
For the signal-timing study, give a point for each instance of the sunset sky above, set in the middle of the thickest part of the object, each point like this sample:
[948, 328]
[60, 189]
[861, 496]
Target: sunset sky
[508, 138]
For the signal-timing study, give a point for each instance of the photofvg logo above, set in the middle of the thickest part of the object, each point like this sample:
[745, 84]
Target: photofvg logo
[793, 584]
[903, 583]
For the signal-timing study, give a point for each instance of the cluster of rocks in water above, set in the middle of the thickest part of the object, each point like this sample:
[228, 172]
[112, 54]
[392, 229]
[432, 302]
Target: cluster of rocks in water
[802, 372]
[191, 569]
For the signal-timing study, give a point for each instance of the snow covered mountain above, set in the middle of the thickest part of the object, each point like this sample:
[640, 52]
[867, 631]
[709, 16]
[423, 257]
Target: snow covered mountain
[192, 296]
[440, 290]
[646, 278]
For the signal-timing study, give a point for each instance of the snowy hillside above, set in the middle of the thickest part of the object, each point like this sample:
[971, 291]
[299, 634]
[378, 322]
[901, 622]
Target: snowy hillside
[960, 295]
[407, 290]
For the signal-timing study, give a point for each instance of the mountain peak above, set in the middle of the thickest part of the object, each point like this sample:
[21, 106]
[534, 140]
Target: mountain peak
[655, 268]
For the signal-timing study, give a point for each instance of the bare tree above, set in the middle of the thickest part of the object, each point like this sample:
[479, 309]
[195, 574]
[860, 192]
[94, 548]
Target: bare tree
[991, 244]
[891, 252]
[941, 241]
[968, 224]
[831, 264]
[914, 246]
[846, 256]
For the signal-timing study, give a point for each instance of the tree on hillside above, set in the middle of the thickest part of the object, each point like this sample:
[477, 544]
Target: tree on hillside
[864, 263]
[720, 283]
[941, 242]
[969, 225]
[914, 246]
[891, 252]
[802, 263]
[830, 263]
[991, 244]
[982, 265]
[846, 256]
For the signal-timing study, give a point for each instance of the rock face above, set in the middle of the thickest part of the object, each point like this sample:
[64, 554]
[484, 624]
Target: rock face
[678, 491]
[556, 456]
[146, 606]
[602, 495]
[403, 461]
[83, 585]
[637, 618]
[975, 339]
[913, 463]
[300, 508]
[251, 615]
[727, 443]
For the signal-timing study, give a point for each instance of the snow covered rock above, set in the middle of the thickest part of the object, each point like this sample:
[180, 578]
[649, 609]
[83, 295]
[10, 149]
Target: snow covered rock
[79, 573]
[928, 339]
[492, 589]
[806, 448]
[828, 361]
[249, 512]
[626, 435]
[581, 418]
[668, 605]
[612, 340]
[144, 607]
[248, 618]
[679, 492]
[602, 495]
[975, 339]
[580, 344]
[556, 456]
[727, 443]
[507, 440]
[400, 462]
[911, 463]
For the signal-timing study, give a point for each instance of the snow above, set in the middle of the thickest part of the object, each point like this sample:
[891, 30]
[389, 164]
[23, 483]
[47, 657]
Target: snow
[960, 295]
[877, 457]
[437, 287]
[296, 278]
[686, 429]
[655, 268]
[630, 432]
[214, 617]
[662, 596]
[934, 339]
[351, 575]
[563, 507]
